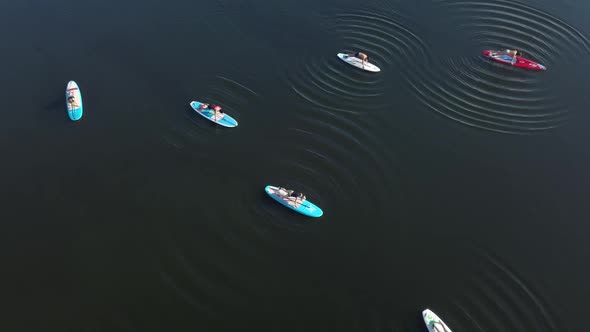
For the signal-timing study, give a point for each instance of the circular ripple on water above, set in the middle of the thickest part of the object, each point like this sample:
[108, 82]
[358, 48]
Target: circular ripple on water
[208, 286]
[336, 161]
[498, 297]
[331, 84]
[337, 154]
[386, 37]
[483, 293]
[511, 24]
[491, 96]
[497, 97]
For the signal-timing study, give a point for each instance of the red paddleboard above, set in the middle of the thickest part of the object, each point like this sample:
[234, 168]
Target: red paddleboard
[503, 57]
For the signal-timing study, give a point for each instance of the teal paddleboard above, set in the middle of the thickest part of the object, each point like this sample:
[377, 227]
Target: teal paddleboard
[222, 119]
[294, 201]
[74, 104]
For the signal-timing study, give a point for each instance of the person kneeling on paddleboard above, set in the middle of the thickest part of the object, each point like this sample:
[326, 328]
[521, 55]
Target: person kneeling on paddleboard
[216, 108]
[362, 56]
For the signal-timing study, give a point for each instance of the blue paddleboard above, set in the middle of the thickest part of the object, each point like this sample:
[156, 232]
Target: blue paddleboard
[74, 104]
[297, 204]
[222, 119]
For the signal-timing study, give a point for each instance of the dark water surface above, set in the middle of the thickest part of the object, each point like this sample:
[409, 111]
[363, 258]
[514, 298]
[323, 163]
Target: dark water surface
[447, 181]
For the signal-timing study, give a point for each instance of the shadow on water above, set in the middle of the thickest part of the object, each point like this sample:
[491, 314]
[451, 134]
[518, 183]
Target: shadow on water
[55, 106]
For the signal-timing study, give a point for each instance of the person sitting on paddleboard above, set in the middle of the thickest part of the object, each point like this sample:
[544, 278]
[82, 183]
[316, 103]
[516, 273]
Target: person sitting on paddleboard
[216, 108]
[297, 196]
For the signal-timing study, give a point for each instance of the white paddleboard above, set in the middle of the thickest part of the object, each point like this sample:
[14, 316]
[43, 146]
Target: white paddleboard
[354, 61]
[433, 322]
